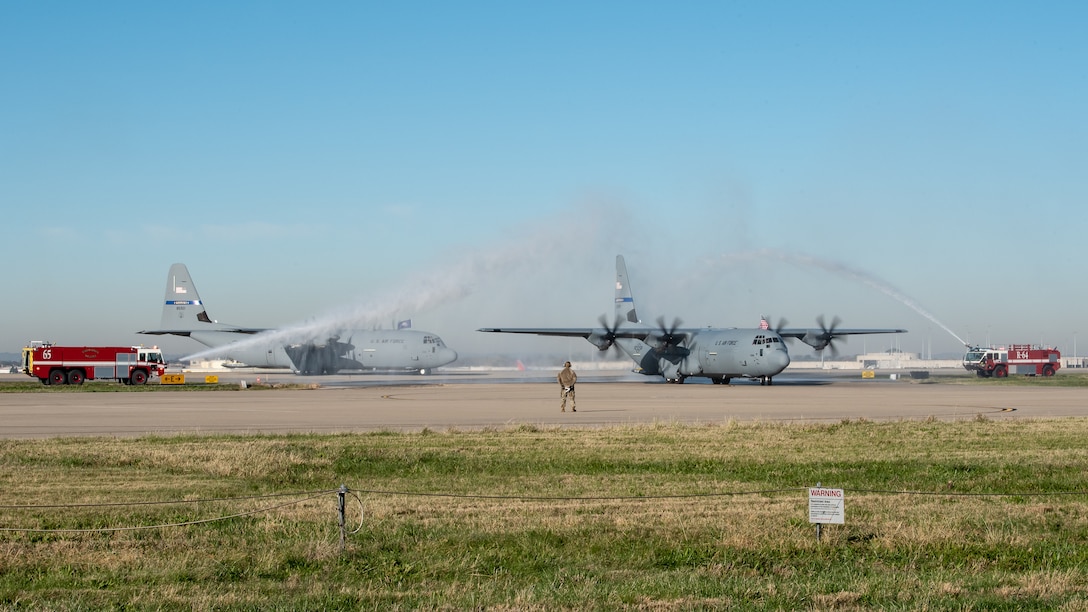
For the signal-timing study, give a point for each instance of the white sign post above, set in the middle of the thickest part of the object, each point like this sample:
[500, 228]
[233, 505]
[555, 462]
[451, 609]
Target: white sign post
[826, 506]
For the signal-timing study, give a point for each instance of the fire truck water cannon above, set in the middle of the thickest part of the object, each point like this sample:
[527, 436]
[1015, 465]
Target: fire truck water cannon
[71, 365]
[999, 362]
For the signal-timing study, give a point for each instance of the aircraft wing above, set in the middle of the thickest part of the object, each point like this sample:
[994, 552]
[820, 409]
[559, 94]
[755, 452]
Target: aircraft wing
[186, 332]
[801, 333]
[822, 337]
[570, 332]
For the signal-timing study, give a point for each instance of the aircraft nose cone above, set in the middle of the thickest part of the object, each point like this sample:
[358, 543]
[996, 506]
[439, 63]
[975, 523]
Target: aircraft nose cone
[451, 355]
[779, 360]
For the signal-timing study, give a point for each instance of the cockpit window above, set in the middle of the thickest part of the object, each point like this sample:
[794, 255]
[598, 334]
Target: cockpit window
[761, 339]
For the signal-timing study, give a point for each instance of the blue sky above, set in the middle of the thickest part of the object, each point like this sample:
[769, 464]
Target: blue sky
[480, 164]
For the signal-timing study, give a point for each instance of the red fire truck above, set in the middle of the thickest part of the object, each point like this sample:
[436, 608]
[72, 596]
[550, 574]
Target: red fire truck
[60, 365]
[1028, 359]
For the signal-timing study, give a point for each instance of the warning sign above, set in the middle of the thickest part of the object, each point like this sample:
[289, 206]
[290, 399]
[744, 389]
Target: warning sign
[826, 506]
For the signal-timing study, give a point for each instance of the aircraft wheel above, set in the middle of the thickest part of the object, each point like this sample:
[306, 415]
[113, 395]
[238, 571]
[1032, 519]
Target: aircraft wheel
[770, 381]
[423, 371]
[138, 377]
[75, 377]
[58, 377]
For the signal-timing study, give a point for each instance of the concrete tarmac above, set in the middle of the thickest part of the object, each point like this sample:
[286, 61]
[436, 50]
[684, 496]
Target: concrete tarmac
[489, 401]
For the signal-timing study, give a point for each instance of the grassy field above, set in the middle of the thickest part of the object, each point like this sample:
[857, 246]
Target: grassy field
[966, 515]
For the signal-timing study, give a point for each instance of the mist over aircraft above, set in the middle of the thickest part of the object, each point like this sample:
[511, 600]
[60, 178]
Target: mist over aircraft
[676, 353]
[403, 349]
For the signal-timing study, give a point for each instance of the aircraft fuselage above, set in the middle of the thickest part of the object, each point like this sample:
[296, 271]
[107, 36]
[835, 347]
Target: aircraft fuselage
[386, 350]
[718, 354]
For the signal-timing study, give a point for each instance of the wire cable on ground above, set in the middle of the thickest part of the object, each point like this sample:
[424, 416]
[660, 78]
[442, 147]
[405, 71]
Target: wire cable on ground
[164, 525]
[362, 511]
[704, 495]
[355, 494]
[577, 498]
[968, 494]
[160, 503]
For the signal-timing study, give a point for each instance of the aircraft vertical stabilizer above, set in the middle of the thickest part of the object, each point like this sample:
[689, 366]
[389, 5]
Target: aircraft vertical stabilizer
[625, 301]
[182, 307]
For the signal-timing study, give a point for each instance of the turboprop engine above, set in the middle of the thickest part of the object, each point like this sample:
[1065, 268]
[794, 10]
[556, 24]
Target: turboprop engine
[601, 341]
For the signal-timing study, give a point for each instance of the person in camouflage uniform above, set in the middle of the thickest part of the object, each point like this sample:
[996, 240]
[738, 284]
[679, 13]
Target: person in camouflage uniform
[566, 378]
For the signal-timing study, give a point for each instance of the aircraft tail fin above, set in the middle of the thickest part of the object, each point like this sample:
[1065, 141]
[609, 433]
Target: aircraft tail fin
[625, 301]
[183, 313]
[182, 307]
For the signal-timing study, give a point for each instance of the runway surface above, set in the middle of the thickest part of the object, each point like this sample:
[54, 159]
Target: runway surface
[345, 404]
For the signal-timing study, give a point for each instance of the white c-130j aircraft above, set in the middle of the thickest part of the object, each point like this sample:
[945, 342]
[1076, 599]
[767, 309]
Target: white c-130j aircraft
[719, 354]
[405, 350]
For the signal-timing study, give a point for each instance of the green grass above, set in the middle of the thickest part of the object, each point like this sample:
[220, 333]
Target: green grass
[940, 516]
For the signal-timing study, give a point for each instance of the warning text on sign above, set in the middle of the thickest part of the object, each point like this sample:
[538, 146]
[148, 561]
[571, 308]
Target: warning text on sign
[826, 506]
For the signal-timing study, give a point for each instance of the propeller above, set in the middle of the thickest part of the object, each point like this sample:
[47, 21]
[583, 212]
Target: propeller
[827, 333]
[668, 334]
[782, 323]
[608, 338]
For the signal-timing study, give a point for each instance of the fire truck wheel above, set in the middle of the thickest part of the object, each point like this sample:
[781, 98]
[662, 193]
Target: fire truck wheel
[1048, 370]
[57, 377]
[139, 377]
[1000, 372]
[75, 377]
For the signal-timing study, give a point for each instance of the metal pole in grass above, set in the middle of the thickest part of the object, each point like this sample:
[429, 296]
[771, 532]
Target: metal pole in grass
[819, 526]
[340, 495]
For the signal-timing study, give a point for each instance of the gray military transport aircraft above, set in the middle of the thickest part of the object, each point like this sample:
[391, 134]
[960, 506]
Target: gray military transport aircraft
[719, 354]
[405, 350]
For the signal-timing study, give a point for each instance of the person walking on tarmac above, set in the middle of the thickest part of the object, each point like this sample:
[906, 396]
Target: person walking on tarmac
[566, 378]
